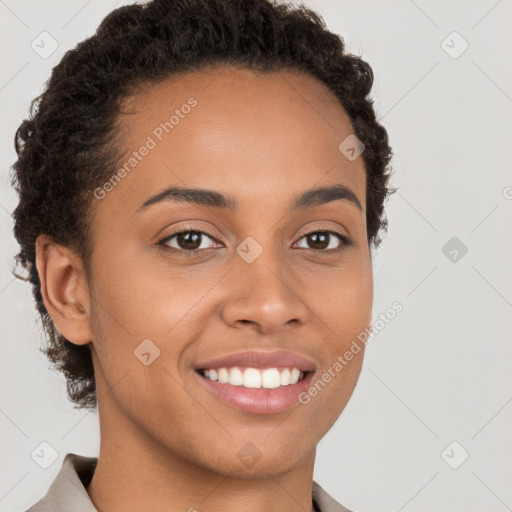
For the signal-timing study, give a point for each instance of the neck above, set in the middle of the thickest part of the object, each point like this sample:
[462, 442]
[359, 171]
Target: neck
[135, 472]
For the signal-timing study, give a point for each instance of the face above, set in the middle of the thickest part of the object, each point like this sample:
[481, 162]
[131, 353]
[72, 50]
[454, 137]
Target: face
[185, 280]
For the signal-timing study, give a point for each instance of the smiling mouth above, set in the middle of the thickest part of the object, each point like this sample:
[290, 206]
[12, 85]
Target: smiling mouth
[255, 378]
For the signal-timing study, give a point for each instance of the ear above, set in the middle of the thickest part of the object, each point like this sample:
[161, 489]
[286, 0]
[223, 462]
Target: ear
[64, 289]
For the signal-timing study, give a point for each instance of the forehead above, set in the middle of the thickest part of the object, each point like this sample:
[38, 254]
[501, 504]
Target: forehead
[238, 131]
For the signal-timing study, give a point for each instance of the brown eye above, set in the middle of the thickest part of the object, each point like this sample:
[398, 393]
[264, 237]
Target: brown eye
[189, 240]
[186, 241]
[325, 241]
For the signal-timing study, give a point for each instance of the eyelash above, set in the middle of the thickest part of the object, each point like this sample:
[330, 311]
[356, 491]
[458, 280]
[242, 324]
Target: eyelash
[345, 242]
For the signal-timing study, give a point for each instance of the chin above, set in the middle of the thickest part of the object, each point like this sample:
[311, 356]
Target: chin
[252, 462]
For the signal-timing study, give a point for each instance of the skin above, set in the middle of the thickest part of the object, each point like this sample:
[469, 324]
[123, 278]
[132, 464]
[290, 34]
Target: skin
[166, 442]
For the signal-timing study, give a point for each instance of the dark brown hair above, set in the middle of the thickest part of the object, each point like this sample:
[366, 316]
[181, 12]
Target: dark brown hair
[67, 147]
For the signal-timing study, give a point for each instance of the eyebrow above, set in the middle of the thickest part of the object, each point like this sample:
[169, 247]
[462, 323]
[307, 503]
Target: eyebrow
[205, 197]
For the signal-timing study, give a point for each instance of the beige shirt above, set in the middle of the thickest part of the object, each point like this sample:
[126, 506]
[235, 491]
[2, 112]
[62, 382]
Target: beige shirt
[67, 492]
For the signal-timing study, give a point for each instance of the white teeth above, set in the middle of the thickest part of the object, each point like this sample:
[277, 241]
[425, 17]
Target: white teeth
[268, 378]
[252, 378]
[223, 375]
[285, 377]
[236, 377]
[294, 376]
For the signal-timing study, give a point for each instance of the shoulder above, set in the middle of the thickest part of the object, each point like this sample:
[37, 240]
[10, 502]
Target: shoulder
[67, 491]
[325, 502]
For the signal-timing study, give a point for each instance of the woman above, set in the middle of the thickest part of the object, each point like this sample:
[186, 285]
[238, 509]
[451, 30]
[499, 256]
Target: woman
[200, 187]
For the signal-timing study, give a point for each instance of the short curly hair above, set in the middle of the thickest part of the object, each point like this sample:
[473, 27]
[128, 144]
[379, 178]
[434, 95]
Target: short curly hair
[68, 146]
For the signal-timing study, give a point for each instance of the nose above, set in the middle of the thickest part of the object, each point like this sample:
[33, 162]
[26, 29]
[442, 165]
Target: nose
[265, 296]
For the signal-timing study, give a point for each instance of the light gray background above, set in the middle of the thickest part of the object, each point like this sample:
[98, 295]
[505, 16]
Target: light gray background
[440, 371]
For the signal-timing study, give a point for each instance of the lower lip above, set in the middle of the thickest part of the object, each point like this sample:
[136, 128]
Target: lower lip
[260, 401]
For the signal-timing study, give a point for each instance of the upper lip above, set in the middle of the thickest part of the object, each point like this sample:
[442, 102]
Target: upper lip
[260, 359]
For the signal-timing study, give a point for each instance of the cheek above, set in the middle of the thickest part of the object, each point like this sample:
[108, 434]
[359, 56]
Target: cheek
[141, 300]
[343, 299]
[345, 306]
[141, 308]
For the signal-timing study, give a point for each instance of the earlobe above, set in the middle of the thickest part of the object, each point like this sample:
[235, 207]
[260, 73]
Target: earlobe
[64, 289]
